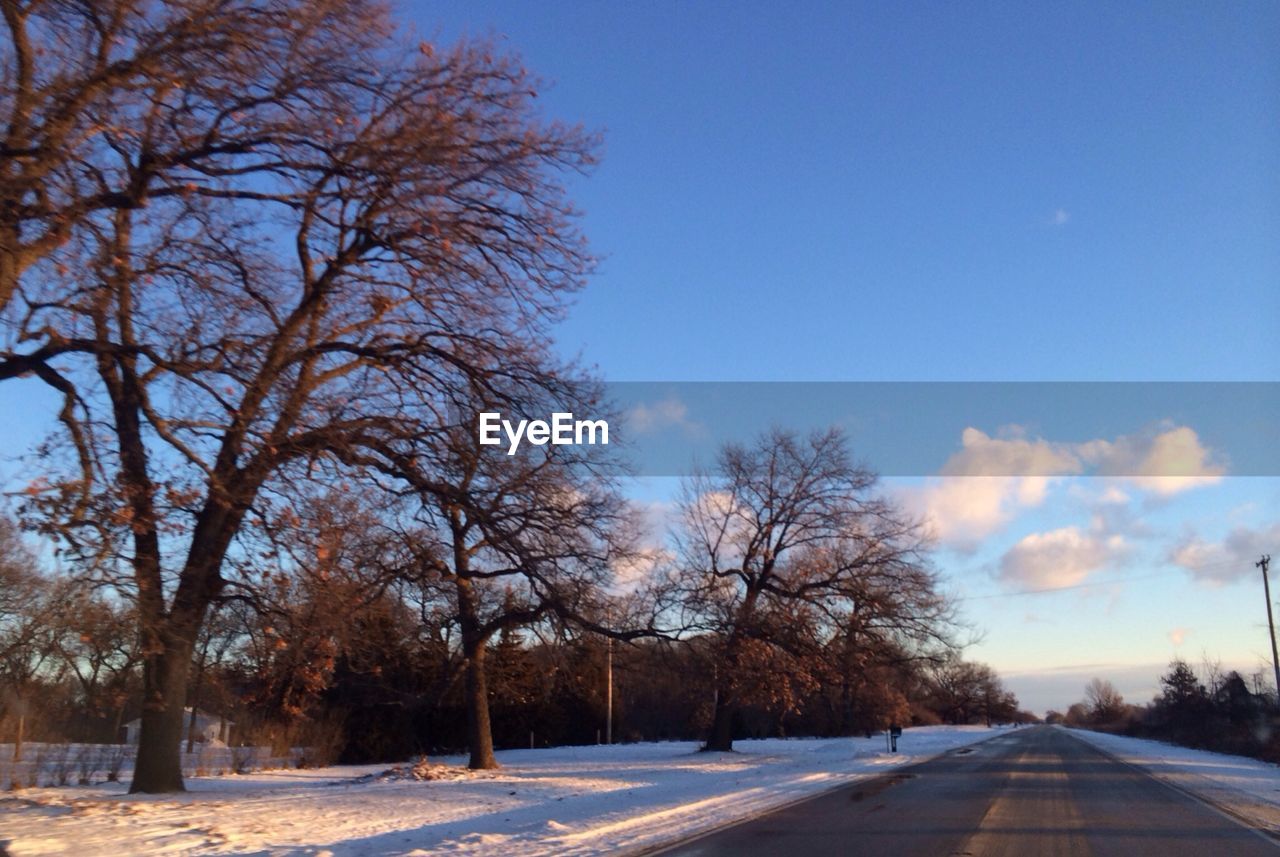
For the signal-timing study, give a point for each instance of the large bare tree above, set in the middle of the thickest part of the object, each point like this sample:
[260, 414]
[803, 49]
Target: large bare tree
[783, 548]
[365, 226]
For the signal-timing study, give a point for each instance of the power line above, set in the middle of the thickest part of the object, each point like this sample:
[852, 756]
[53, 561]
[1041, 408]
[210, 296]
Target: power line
[1050, 589]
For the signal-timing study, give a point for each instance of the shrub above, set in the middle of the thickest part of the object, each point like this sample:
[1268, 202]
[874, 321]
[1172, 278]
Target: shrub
[87, 762]
[116, 756]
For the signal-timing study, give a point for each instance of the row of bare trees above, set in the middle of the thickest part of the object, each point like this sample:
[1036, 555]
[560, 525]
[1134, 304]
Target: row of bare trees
[374, 679]
[502, 599]
[272, 257]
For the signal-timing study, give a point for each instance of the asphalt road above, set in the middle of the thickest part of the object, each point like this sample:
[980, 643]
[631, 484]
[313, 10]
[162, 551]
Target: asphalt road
[1036, 791]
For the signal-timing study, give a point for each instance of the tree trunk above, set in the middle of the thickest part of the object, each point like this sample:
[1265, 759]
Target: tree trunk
[479, 735]
[721, 737]
[169, 639]
[22, 720]
[474, 646]
[846, 704]
[164, 679]
[849, 687]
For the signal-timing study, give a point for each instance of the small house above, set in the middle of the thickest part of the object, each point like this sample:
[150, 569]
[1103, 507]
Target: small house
[208, 727]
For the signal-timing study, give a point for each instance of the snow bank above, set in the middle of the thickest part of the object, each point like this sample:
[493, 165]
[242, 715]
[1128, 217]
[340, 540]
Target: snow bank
[1244, 787]
[560, 801]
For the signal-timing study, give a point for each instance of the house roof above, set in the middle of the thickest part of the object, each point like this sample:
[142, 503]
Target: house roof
[203, 718]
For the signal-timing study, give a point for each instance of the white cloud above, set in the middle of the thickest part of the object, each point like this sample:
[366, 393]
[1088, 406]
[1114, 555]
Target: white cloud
[987, 484]
[1110, 509]
[1058, 558]
[1229, 560]
[1162, 463]
[1162, 459]
[1010, 453]
[993, 479]
[633, 571]
[664, 414]
[961, 511]
[716, 506]
[1113, 496]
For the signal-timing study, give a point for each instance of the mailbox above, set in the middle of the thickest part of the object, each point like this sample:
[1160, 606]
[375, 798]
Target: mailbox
[895, 731]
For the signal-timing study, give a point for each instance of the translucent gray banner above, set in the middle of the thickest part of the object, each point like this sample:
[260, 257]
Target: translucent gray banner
[1133, 429]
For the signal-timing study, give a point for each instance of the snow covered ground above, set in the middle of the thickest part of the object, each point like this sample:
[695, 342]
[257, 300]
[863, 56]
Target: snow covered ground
[1244, 787]
[562, 801]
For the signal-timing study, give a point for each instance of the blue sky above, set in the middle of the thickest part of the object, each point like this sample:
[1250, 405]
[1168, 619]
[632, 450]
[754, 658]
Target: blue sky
[939, 191]
[947, 192]
[952, 192]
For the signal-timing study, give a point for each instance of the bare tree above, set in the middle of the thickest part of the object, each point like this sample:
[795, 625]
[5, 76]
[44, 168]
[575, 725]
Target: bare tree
[322, 566]
[1104, 702]
[786, 546]
[96, 636]
[512, 541]
[999, 704]
[29, 604]
[963, 691]
[299, 316]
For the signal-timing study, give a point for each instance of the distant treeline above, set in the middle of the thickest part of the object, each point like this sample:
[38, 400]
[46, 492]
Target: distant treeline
[1218, 712]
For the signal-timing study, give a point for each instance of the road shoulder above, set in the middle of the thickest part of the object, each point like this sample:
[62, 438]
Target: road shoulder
[1243, 789]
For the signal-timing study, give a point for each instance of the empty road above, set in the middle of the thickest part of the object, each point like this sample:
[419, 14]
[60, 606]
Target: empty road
[1036, 791]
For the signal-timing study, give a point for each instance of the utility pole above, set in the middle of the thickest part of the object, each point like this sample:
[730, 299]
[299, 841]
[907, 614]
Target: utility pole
[1266, 587]
[608, 681]
[608, 693]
